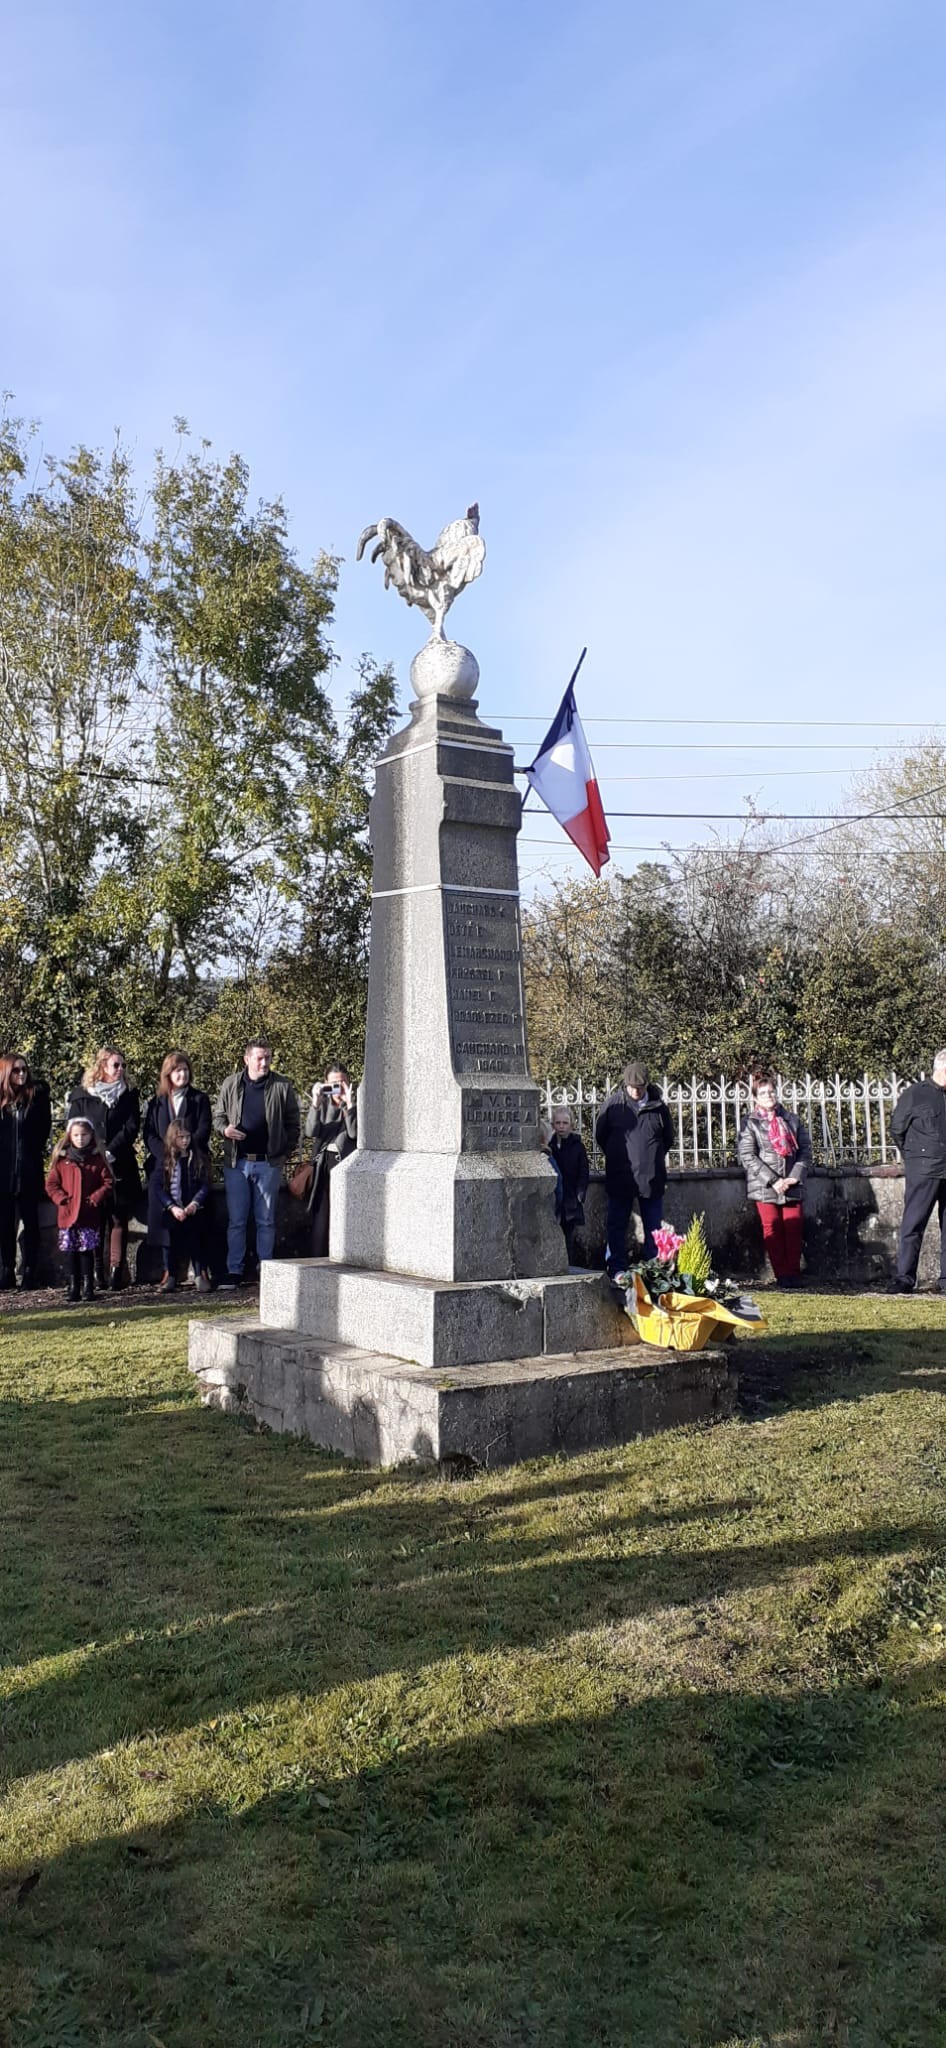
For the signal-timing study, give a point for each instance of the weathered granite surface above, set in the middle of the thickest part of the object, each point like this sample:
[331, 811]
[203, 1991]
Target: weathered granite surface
[387, 1413]
[448, 1181]
[438, 1323]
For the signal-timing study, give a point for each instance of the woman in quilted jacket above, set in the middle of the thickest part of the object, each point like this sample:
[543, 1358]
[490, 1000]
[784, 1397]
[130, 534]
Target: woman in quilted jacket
[775, 1152]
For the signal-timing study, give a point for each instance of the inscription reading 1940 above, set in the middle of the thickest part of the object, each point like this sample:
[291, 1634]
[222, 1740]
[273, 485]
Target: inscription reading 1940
[484, 983]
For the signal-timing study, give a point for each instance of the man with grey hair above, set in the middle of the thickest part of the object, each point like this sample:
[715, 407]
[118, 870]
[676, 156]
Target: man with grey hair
[919, 1131]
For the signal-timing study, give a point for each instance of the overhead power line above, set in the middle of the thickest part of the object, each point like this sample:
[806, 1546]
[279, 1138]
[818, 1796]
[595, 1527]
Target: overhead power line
[723, 775]
[567, 852]
[780, 817]
[526, 839]
[784, 724]
[734, 747]
[898, 812]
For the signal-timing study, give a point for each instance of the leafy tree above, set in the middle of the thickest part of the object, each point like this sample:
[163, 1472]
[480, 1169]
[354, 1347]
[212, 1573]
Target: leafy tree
[72, 711]
[182, 811]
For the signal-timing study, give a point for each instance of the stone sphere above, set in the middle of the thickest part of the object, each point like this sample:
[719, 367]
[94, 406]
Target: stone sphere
[444, 669]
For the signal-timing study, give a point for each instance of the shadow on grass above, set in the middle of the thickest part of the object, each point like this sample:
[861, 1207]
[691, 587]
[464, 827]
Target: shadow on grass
[196, 1565]
[701, 1869]
[805, 1369]
[113, 1310]
[705, 1866]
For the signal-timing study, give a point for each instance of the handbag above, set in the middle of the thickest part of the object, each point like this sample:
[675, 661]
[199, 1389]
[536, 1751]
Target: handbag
[300, 1182]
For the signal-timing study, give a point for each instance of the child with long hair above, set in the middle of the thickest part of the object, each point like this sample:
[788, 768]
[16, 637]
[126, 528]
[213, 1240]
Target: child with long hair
[175, 1097]
[79, 1184]
[183, 1191]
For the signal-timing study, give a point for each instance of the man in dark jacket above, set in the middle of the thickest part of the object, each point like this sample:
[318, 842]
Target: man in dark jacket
[257, 1115]
[919, 1131]
[635, 1133]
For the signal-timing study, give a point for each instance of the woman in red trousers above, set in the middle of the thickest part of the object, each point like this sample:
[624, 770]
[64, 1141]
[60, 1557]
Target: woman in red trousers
[775, 1150]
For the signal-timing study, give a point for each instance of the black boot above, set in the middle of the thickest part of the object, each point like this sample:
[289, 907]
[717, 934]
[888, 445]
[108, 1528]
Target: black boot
[115, 1281]
[100, 1270]
[74, 1289]
[88, 1276]
[27, 1281]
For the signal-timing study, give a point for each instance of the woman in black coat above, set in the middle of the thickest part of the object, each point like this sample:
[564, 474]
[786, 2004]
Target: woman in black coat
[332, 1124]
[113, 1108]
[570, 1160]
[176, 1101]
[25, 1119]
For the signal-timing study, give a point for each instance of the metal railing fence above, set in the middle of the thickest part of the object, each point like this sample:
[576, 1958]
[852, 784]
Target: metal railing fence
[849, 1121]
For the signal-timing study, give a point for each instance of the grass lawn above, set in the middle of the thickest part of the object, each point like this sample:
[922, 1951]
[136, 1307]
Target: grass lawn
[641, 1748]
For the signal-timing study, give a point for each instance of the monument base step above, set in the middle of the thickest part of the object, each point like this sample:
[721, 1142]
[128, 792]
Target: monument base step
[380, 1410]
[443, 1323]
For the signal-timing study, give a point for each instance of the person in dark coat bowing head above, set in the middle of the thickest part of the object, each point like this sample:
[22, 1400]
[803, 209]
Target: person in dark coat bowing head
[332, 1124]
[25, 1119]
[106, 1099]
[176, 1101]
[635, 1133]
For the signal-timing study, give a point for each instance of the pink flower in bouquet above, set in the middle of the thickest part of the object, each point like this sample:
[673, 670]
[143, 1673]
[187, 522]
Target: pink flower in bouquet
[667, 1243]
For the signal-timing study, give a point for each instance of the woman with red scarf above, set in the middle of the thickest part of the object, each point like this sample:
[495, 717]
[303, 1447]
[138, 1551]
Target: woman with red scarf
[775, 1150]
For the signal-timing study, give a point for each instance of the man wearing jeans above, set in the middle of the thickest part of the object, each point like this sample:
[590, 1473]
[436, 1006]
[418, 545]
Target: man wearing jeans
[257, 1115]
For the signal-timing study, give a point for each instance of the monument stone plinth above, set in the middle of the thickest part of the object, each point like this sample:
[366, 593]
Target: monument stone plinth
[445, 1322]
[449, 1181]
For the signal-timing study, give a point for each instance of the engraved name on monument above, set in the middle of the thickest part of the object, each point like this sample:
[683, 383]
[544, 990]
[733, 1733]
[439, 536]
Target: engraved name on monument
[485, 1009]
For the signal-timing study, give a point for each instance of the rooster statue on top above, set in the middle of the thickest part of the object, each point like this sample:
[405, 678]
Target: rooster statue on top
[431, 580]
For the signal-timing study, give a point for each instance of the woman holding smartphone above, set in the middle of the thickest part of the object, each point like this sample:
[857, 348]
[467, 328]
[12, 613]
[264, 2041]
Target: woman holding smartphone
[332, 1124]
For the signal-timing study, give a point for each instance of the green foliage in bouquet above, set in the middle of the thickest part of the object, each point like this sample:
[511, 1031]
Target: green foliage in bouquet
[694, 1258]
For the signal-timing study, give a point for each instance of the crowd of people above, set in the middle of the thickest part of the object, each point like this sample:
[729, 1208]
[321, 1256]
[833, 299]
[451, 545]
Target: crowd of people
[634, 1132]
[94, 1180]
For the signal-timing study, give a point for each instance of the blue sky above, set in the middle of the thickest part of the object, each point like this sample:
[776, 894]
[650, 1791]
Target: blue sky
[663, 288]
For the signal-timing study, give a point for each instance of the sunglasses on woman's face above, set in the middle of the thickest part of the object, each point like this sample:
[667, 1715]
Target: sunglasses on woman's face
[19, 1070]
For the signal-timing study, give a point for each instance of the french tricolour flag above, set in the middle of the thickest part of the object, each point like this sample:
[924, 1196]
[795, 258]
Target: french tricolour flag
[563, 776]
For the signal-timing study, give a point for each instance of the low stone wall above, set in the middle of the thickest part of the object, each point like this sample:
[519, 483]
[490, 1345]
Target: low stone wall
[852, 1217]
[852, 1221]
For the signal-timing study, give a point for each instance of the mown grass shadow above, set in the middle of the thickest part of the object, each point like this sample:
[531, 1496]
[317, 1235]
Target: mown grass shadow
[807, 1369]
[194, 1565]
[111, 1311]
[737, 1867]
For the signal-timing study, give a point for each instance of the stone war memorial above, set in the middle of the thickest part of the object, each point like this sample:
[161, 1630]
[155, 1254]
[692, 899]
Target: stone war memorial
[445, 1325]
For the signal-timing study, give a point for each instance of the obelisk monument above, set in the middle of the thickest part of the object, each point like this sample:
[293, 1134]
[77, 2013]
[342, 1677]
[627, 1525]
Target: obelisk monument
[449, 1181]
[445, 1323]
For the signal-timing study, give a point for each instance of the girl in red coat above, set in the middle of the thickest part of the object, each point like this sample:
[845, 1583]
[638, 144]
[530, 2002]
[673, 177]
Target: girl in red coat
[79, 1184]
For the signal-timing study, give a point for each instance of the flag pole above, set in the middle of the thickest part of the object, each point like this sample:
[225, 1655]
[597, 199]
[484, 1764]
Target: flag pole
[576, 668]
